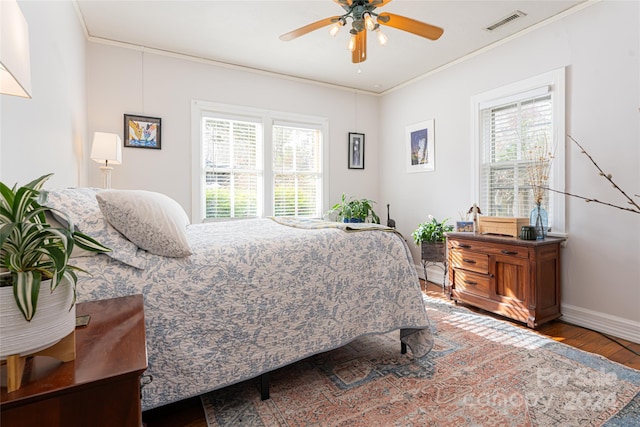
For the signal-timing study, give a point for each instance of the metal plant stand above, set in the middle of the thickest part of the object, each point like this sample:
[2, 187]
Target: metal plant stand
[435, 253]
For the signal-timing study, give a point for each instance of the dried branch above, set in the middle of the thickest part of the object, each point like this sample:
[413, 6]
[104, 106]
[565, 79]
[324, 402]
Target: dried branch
[587, 199]
[608, 177]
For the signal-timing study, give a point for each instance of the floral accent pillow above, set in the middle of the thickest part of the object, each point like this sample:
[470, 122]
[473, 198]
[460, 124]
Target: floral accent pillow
[80, 206]
[153, 221]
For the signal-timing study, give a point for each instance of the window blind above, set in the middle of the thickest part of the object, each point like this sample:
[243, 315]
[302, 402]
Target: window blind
[232, 167]
[297, 170]
[512, 137]
[239, 181]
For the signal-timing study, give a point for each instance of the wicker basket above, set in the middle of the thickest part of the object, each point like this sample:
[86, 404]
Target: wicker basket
[433, 251]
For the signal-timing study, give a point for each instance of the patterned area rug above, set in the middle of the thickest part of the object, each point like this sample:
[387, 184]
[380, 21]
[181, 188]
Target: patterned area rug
[481, 372]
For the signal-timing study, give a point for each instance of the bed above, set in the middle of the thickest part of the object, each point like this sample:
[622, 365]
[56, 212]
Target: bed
[250, 296]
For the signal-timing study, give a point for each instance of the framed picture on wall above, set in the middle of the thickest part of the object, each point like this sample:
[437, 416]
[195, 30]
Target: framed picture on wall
[356, 150]
[420, 142]
[142, 132]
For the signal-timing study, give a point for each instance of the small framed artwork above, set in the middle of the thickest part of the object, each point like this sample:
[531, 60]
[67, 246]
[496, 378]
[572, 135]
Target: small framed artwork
[356, 150]
[420, 141]
[464, 226]
[142, 132]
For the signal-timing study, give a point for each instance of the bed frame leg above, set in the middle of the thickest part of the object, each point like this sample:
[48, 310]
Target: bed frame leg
[264, 386]
[403, 348]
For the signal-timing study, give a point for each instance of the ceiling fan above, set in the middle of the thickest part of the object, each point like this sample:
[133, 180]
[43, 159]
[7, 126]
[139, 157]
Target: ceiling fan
[361, 12]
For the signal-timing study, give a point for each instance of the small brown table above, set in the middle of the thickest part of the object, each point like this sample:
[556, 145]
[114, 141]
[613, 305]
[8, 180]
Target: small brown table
[101, 387]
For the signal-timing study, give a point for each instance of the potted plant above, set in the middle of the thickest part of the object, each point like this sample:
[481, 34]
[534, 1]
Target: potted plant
[32, 254]
[430, 236]
[354, 210]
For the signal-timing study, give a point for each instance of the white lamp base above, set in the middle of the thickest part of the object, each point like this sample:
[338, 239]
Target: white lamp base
[106, 175]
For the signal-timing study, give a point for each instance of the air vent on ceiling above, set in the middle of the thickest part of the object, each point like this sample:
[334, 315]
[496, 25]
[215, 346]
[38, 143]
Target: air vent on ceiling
[510, 18]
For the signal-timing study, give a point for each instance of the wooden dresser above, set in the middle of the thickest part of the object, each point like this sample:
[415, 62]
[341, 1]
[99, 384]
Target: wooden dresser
[519, 279]
[101, 387]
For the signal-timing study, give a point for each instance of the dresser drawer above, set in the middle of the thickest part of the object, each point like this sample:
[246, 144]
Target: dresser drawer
[472, 283]
[490, 248]
[473, 261]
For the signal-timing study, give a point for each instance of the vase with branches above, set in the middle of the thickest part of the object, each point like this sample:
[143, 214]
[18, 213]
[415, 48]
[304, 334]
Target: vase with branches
[538, 155]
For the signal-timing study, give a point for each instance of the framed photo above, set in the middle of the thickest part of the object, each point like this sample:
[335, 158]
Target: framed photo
[142, 132]
[356, 150]
[420, 140]
[464, 226]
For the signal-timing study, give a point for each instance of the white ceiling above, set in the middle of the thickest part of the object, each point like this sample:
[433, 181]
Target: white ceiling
[245, 33]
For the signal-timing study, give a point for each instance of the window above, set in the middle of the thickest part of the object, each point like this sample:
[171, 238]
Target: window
[297, 170]
[232, 167]
[516, 128]
[251, 163]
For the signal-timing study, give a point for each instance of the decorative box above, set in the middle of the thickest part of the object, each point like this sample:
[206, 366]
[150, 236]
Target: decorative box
[506, 226]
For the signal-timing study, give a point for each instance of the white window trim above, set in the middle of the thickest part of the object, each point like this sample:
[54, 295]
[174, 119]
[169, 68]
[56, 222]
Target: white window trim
[554, 82]
[200, 109]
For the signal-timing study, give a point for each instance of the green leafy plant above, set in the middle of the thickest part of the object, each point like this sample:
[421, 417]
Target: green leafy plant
[431, 231]
[32, 250]
[350, 209]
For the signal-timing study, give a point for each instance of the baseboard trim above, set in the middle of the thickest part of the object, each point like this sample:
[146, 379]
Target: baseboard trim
[602, 322]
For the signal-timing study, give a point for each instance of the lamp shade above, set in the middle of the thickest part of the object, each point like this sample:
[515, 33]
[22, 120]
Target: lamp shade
[106, 148]
[15, 65]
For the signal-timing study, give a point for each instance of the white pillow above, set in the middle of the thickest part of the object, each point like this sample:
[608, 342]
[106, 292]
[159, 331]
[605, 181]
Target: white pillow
[152, 221]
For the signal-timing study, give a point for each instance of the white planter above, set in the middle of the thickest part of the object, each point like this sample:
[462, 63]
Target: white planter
[52, 322]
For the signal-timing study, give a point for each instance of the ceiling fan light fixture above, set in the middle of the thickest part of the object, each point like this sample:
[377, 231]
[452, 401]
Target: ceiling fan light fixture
[368, 21]
[362, 14]
[352, 41]
[335, 28]
[382, 37]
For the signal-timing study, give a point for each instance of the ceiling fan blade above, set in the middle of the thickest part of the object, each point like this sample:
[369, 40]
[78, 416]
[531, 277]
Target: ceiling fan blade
[344, 3]
[308, 28]
[410, 25]
[360, 53]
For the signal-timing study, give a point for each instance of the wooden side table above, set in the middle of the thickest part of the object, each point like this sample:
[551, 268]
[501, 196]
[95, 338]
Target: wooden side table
[101, 387]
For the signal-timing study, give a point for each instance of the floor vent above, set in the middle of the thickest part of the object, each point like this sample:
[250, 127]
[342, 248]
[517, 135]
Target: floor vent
[510, 18]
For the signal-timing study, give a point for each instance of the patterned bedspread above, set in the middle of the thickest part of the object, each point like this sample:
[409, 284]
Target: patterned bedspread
[257, 295]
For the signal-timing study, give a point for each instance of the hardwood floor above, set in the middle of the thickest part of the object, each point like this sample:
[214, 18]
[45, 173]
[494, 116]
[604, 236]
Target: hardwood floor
[189, 413]
[572, 335]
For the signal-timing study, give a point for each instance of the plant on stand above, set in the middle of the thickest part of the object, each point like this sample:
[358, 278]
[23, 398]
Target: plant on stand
[430, 236]
[33, 253]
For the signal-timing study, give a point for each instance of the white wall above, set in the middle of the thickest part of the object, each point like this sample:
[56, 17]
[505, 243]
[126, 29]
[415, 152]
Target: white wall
[45, 134]
[122, 80]
[601, 264]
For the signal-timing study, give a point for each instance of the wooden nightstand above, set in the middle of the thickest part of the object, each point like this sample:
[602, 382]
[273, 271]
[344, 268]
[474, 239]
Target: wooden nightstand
[515, 278]
[101, 387]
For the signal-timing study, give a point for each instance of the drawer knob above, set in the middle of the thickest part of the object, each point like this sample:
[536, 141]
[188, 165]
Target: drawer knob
[506, 252]
[470, 282]
[468, 261]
